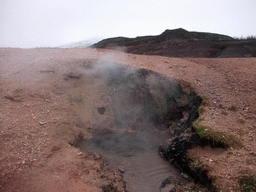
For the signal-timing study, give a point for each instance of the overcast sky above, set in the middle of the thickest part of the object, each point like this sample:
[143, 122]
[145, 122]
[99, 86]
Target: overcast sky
[40, 23]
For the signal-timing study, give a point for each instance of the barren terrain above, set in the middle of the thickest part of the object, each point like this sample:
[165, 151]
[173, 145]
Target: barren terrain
[40, 119]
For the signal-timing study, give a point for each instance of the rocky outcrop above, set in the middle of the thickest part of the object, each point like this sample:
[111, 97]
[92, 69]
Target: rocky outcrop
[185, 138]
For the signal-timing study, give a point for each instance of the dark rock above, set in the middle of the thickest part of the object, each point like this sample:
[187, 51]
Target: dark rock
[14, 98]
[101, 110]
[165, 182]
[186, 176]
[72, 75]
[122, 171]
[185, 138]
[109, 188]
[47, 71]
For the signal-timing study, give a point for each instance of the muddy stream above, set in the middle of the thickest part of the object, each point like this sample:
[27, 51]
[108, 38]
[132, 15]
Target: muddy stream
[128, 113]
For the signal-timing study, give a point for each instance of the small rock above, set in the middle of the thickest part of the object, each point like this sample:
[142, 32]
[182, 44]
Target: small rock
[72, 75]
[101, 110]
[96, 156]
[79, 154]
[122, 171]
[165, 182]
[41, 123]
[184, 175]
[169, 188]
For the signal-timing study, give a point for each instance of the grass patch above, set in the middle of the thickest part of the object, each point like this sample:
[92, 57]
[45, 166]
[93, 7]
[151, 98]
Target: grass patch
[75, 98]
[195, 165]
[205, 100]
[249, 37]
[247, 182]
[201, 109]
[216, 138]
[109, 188]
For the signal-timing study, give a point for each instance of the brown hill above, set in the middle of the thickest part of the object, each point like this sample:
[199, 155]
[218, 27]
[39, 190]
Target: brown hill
[182, 43]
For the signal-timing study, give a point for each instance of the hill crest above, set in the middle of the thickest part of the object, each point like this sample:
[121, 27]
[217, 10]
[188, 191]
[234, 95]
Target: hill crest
[182, 43]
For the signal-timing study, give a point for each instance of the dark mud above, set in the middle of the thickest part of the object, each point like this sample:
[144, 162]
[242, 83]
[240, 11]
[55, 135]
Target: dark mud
[147, 109]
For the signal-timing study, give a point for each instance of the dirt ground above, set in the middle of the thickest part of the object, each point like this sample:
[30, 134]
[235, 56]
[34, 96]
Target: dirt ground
[39, 124]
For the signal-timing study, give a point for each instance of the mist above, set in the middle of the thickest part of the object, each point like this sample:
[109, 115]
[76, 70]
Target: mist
[43, 23]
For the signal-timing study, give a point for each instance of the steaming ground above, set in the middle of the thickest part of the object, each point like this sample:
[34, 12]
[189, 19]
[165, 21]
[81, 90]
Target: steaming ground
[49, 101]
[130, 122]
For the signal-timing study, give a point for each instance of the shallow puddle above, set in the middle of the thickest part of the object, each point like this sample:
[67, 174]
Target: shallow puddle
[135, 155]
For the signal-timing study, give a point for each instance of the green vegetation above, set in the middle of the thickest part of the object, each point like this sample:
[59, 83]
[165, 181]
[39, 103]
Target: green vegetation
[205, 99]
[247, 182]
[109, 188]
[250, 37]
[205, 102]
[201, 109]
[196, 165]
[216, 138]
[75, 98]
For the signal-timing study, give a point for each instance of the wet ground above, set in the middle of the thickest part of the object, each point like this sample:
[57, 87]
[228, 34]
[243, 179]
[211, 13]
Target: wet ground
[135, 156]
[126, 122]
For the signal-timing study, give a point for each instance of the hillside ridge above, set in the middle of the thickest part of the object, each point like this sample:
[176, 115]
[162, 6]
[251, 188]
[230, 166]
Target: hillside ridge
[182, 43]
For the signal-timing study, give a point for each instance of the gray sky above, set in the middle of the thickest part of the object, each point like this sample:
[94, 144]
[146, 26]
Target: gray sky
[40, 23]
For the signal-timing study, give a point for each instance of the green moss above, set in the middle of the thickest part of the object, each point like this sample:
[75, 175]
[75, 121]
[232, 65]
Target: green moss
[247, 182]
[205, 102]
[109, 188]
[201, 131]
[75, 98]
[216, 138]
[205, 99]
[201, 109]
[195, 165]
